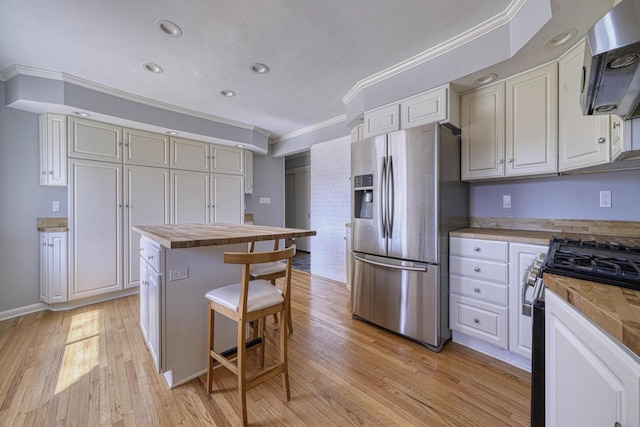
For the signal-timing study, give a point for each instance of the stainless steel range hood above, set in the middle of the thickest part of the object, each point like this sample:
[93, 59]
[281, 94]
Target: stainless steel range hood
[611, 72]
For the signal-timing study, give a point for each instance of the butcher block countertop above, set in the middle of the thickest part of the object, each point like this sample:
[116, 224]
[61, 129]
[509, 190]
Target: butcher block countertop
[178, 236]
[614, 309]
[52, 224]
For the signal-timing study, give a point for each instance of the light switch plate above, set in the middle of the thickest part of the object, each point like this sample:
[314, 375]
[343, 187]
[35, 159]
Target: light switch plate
[506, 201]
[55, 206]
[605, 199]
[265, 200]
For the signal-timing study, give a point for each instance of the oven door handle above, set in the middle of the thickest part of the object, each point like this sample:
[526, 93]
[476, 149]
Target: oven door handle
[527, 306]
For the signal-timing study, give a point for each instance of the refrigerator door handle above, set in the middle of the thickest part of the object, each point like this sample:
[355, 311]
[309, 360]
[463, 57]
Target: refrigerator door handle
[416, 267]
[390, 197]
[383, 185]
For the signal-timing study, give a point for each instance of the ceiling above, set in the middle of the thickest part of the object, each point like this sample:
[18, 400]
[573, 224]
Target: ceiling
[317, 50]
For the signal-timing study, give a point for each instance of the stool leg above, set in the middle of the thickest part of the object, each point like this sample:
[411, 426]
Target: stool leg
[209, 358]
[283, 355]
[242, 350]
[261, 328]
[275, 316]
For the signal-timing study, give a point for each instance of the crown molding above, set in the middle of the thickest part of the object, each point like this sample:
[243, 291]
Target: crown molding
[14, 70]
[309, 129]
[473, 33]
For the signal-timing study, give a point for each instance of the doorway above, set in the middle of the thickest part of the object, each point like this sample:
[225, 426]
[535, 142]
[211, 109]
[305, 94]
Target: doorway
[297, 196]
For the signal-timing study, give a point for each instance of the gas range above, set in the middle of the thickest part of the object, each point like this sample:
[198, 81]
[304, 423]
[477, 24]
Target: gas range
[604, 262]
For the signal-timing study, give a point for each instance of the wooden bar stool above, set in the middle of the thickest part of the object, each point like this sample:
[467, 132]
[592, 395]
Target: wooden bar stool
[272, 271]
[249, 301]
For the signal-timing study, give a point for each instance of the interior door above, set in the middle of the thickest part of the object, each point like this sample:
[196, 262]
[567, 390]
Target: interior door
[302, 207]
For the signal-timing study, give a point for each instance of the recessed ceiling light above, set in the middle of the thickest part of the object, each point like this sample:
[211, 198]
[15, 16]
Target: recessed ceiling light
[560, 38]
[82, 114]
[171, 132]
[484, 79]
[168, 27]
[154, 68]
[227, 92]
[258, 68]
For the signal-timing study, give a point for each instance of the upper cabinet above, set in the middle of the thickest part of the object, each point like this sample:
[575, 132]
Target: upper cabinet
[145, 148]
[583, 140]
[53, 149]
[509, 128]
[200, 156]
[94, 140]
[437, 105]
[227, 160]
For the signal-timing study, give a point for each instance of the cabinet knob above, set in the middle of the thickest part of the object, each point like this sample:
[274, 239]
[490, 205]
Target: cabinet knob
[510, 160]
[150, 257]
[50, 245]
[44, 244]
[120, 205]
[476, 320]
[477, 249]
[126, 206]
[500, 161]
[601, 140]
[476, 290]
[477, 269]
[44, 172]
[50, 172]
[126, 145]
[120, 143]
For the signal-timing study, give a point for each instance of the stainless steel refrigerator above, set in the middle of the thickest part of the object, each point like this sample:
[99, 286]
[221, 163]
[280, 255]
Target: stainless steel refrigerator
[407, 196]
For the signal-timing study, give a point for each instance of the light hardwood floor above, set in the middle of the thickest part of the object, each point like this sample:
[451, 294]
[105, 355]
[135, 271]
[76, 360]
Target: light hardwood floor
[89, 367]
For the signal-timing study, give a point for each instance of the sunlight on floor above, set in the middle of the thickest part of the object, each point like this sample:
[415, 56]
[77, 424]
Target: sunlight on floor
[82, 349]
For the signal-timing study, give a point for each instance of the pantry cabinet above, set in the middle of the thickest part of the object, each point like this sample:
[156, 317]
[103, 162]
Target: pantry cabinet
[92, 140]
[583, 140]
[53, 267]
[227, 199]
[53, 149]
[189, 197]
[591, 379]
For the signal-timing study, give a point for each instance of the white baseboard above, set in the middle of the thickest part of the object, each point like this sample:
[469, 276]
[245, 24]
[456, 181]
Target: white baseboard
[33, 308]
[491, 350]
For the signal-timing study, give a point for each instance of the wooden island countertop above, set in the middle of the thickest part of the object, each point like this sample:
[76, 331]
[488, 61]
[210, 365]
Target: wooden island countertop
[177, 236]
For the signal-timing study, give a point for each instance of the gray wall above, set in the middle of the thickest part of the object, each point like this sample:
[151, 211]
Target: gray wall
[268, 181]
[23, 201]
[562, 197]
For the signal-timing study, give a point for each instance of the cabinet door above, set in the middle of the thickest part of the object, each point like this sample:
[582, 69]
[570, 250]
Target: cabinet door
[144, 299]
[44, 267]
[583, 140]
[429, 107]
[227, 199]
[153, 314]
[146, 148]
[590, 378]
[53, 149]
[227, 160]
[57, 267]
[189, 155]
[617, 132]
[521, 257]
[189, 197]
[94, 140]
[482, 119]
[382, 120]
[532, 122]
[95, 228]
[248, 172]
[146, 195]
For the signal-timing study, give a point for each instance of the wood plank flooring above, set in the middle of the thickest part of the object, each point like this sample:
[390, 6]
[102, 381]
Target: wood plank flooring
[89, 367]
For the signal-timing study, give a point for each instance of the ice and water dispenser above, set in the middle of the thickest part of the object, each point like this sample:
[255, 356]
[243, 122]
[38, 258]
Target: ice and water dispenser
[363, 196]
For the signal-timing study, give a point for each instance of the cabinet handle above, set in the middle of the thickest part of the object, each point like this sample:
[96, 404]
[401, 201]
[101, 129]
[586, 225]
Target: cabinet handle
[126, 206]
[44, 172]
[477, 249]
[120, 205]
[141, 249]
[477, 269]
[615, 125]
[476, 290]
[150, 257]
[44, 244]
[500, 161]
[126, 145]
[510, 160]
[617, 424]
[601, 140]
[120, 143]
[50, 172]
[476, 320]
[50, 245]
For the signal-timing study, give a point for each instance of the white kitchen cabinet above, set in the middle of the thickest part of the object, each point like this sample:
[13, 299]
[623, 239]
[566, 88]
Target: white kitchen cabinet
[190, 155]
[146, 148]
[94, 140]
[227, 160]
[53, 267]
[146, 202]
[616, 132]
[248, 172]
[583, 140]
[189, 197]
[591, 379]
[532, 122]
[227, 199]
[151, 265]
[381, 120]
[483, 133]
[521, 257]
[95, 228]
[53, 149]
[440, 105]
[357, 133]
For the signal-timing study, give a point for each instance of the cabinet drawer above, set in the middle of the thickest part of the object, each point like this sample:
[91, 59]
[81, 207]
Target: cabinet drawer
[150, 253]
[487, 249]
[486, 291]
[479, 269]
[484, 321]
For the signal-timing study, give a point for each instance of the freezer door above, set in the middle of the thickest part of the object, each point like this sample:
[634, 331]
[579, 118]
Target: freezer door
[367, 158]
[398, 295]
[413, 198]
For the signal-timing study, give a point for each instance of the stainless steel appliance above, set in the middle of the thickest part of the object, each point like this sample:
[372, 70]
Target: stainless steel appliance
[407, 196]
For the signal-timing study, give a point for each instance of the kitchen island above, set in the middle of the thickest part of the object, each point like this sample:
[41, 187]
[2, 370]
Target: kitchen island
[179, 265]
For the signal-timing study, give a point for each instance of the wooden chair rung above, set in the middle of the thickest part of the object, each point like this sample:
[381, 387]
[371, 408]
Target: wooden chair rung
[264, 375]
[224, 361]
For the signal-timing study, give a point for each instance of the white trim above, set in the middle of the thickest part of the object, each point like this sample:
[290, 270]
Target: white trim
[14, 70]
[33, 308]
[492, 350]
[473, 33]
[309, 129]
[294, 171]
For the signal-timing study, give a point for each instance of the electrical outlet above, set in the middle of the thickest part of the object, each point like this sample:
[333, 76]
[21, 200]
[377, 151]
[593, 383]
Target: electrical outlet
[264, 201]
[55, 206]
[179, 274]
[506, 201]
[605, 199]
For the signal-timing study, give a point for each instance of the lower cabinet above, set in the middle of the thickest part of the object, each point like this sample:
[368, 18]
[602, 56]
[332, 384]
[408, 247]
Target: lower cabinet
[53, 267]
[591, 379]
[150, 265]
